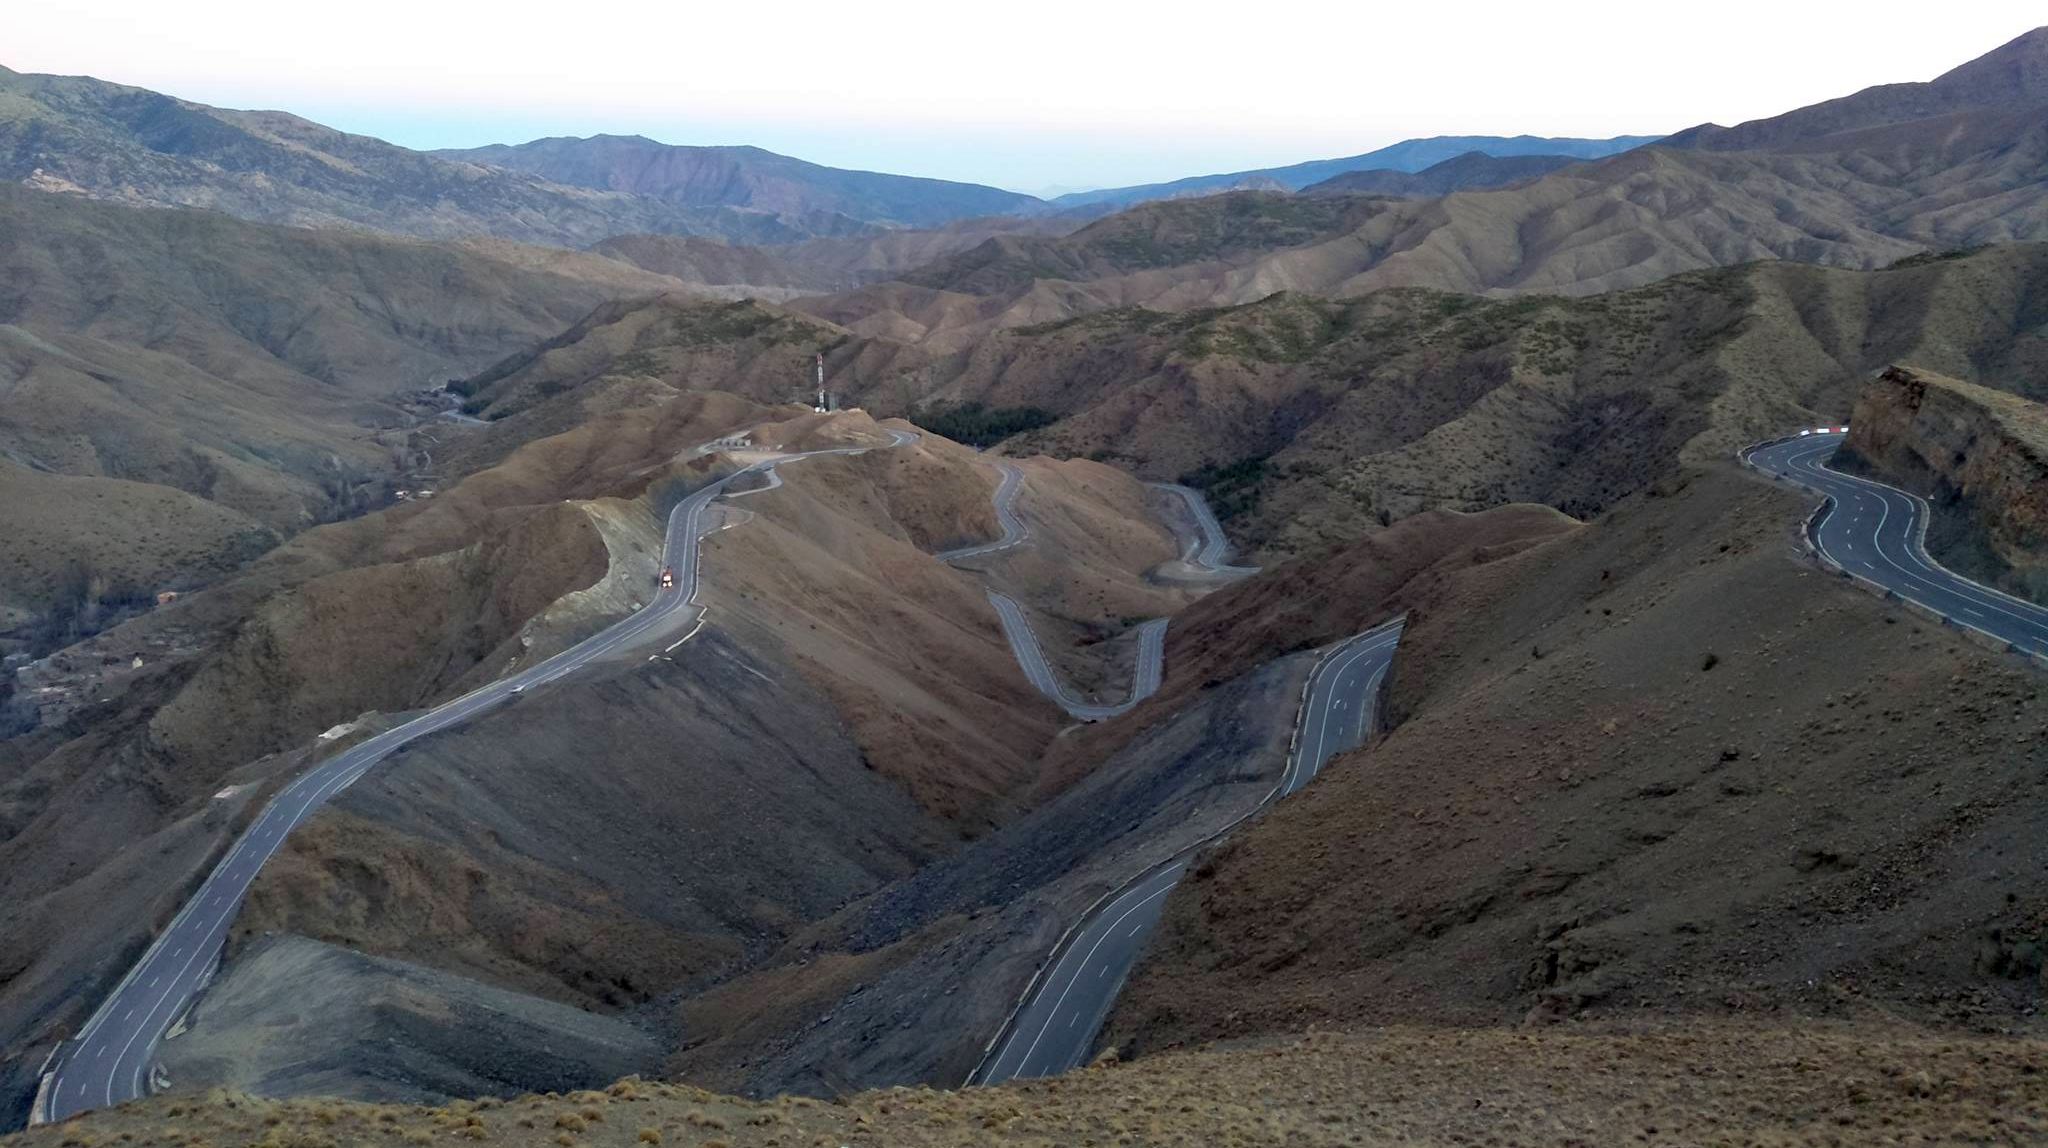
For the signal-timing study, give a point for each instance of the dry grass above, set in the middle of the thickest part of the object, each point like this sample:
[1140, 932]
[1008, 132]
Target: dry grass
[1719, 1083]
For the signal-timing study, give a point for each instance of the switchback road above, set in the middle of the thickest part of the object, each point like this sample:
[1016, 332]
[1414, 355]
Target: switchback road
[1878, 533]
[108, 1062]
[1064, 1008]
[1209, 549]
[1024, 643]
[1014, 531]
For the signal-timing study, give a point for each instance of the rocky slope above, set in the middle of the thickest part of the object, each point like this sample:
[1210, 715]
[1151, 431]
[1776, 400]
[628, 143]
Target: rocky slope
[1980, 456]
[1653, 766]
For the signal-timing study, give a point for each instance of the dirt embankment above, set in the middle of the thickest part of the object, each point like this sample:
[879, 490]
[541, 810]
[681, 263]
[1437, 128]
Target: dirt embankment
[1652, 767]
[1981, 458]
[1735, 1082]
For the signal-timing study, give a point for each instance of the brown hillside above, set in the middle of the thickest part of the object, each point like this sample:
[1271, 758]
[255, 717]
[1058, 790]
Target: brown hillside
[1654, 766]
[1311, 421]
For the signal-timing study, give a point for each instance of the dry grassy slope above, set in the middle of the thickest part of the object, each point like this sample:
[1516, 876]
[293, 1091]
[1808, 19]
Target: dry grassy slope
[1654, 766]
[835, 568]
[363, 313]
[135, 538]
[1345, 411]
[247, 365]
[1744, 1082]
[830, 571]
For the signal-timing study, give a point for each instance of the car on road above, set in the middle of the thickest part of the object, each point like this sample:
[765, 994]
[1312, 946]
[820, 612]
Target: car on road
[668, 578]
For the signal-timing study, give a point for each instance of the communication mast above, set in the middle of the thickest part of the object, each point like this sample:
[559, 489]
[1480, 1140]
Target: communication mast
[821, 407]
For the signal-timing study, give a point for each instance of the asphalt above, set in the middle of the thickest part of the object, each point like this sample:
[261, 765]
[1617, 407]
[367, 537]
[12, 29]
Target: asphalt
[110, 1060]
[1055, 1028]
[1031, 657]
[1878, 533]
[1014, 531]
[1209, 549]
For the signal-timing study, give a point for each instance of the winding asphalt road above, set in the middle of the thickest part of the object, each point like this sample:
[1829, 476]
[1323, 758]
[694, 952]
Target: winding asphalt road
[1054, 1030]
[1014, 531]
[108, 1062]
[1031, 656]
[1210, 548]
[1878, 533]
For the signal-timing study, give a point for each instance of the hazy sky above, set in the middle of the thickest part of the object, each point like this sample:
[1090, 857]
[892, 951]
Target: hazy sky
[1053, 93]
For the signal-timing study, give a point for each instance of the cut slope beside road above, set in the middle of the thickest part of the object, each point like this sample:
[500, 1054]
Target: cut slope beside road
[1877, 533]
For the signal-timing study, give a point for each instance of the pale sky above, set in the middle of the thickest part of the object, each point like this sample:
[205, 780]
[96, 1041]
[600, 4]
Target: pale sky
[1033, 95]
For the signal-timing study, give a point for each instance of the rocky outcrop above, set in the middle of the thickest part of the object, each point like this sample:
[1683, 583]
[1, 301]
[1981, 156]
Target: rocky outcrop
[1981, 458]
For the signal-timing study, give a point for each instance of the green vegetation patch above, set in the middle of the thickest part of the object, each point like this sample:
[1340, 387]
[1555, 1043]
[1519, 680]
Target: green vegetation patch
[1232, 488]
[979, 425]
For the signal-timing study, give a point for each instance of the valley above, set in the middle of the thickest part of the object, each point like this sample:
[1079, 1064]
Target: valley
[1497, 638]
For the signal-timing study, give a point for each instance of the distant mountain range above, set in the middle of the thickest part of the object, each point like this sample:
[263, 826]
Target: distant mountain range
[1406, 156]
[108, 141]
[744, 177]
[1467, 172]
[83, 136]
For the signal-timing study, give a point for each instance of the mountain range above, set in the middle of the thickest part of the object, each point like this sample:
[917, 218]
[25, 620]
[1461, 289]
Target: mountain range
[79, 135]
[383, 425]
[1407, 156]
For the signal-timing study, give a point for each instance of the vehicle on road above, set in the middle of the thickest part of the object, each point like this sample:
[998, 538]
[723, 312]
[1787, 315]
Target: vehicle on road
[668, 578]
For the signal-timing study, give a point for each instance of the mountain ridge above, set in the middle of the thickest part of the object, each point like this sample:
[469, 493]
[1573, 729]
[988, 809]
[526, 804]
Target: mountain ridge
[1409, 156]
[742, 176]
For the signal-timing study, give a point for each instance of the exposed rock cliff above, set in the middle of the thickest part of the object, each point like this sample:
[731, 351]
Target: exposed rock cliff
[1981, 458]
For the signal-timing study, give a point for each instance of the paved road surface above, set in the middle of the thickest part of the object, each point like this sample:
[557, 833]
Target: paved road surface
[1210, 547]
[1878, 533]
[1055, 1029]
[109, 1061]
[1024, 643]
[1014, 530]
